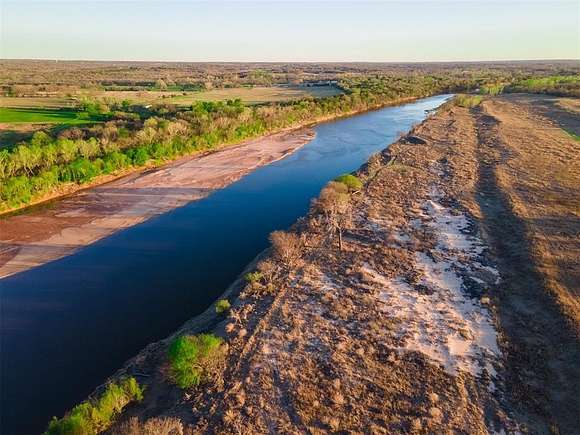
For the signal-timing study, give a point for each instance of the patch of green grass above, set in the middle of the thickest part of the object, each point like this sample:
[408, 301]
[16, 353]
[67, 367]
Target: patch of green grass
[222, 306]
[352, 182]
[467, 101]
[23, 115]
[192, 357]
[92, 417]
[572, 134]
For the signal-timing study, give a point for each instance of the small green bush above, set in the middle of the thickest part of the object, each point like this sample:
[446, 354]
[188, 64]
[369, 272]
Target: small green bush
[353, 183]
[467, 101]
[253, 277]
[192, 357]
[222, 306]
[92, 417]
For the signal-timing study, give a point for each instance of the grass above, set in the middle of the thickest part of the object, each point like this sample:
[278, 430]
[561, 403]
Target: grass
[92, 417]
[21, 115]
[37, 102]
[257, 95]
[192, 358]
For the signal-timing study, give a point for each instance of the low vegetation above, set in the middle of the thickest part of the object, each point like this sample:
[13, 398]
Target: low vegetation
[95, 416]
[222, 306]
[561, 85]
[467, 101]
[194, 357]
[351, 181]
[153, 426]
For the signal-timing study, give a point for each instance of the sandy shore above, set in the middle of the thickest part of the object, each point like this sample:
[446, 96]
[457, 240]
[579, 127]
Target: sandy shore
[52, 231]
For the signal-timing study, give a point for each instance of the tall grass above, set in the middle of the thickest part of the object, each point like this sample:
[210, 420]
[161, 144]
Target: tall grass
[92, 417]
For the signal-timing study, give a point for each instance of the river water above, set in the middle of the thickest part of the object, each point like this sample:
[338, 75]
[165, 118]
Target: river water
[69, 324]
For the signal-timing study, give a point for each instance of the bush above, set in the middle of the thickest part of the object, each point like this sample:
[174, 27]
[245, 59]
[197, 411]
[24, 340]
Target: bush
[92, 417]
[222, 306]
[467, 101]
[253, 277]
[16, 190]
[287, 247]
[153, 426]
[192, 358]
[352, 182]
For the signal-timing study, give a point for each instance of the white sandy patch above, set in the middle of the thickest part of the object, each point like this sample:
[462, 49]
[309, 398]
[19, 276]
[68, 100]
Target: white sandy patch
[440, 319]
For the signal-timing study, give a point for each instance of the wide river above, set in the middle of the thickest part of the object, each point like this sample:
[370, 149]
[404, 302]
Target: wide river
[69, 324]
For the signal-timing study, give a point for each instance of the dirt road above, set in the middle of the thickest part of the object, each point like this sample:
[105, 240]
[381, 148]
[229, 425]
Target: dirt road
[51, 231]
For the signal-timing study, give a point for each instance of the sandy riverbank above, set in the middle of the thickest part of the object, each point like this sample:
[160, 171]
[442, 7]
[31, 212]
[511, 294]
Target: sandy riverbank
[54, 230]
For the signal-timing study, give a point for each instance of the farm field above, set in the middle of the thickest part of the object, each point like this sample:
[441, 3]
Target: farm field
[37, 102]
[13, 115]
[258, 94]
[249, 95]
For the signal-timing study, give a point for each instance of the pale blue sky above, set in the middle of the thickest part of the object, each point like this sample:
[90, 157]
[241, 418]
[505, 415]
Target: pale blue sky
[174, 30]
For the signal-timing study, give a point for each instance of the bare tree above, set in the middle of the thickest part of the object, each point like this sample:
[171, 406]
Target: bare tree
[333, 202]
[287, 247]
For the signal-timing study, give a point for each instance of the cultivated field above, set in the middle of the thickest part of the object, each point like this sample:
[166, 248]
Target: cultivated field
[41, 116]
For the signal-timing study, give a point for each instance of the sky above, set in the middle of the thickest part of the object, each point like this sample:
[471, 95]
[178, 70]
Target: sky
[300, 31]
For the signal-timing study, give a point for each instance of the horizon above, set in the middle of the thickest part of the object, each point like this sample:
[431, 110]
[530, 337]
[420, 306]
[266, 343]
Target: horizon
[290, 31]
[217, 62]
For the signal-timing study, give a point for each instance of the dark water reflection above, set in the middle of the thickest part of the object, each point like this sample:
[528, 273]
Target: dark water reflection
[69, 324]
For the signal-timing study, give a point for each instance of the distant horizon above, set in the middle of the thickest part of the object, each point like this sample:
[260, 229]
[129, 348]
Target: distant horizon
[402, 62]
[274, 31]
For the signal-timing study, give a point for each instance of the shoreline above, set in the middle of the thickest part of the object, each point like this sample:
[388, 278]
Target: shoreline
[57, 226]
[52, 231]
[71, 189]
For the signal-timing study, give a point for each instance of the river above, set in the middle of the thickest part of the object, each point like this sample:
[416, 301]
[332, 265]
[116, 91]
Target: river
[71, 323]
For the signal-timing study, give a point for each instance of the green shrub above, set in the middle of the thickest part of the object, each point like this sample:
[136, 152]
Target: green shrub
[16, 190]
[222, 306]
[92, 417]
[467, 101]
[352, 182]
[192, 357]
[253, 277]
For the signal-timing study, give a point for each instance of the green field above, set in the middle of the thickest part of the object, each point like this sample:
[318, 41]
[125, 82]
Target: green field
[257, 94]
[13, 115]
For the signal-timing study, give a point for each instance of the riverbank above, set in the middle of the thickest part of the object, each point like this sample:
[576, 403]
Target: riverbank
[54, 230]
[432, 315]
[57, 225]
